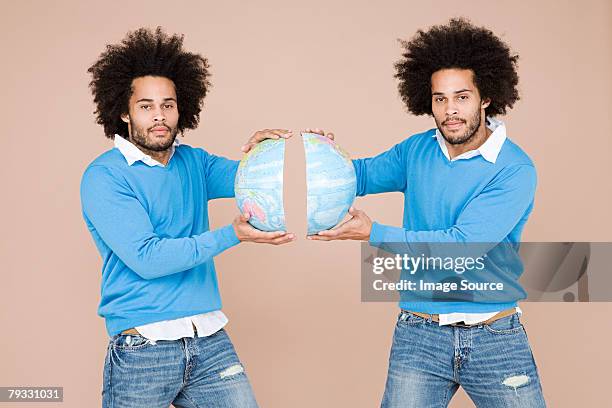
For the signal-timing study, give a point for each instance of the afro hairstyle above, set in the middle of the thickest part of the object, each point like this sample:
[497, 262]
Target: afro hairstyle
[460, 45]
[145, 52]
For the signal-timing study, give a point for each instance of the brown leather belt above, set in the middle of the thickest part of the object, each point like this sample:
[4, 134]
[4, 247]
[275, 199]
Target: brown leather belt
[435, 317]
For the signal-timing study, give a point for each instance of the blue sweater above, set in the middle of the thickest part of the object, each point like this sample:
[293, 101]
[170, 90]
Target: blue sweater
[150, 225]
[462, 201]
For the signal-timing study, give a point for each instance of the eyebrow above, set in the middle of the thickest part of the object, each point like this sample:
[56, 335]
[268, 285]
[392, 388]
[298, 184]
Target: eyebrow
[151, 100]
[456, 92]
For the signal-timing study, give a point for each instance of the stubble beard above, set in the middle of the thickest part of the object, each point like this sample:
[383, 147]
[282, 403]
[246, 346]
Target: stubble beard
[140, 138]
[472, 127]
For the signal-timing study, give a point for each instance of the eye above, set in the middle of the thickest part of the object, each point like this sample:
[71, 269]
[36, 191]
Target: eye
[145, 107]
[439, 99]
[169, 106]
[463, 97]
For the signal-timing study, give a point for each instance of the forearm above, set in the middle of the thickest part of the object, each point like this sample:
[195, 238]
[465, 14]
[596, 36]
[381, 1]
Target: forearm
[153, 257]
[220, 177]
[385, 172]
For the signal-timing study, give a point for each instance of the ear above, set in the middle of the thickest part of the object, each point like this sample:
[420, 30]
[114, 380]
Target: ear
[485, 103]
[125, 117]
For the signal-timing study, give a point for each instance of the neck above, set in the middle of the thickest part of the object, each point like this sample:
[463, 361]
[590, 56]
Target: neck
[162, 157]
[481, 136]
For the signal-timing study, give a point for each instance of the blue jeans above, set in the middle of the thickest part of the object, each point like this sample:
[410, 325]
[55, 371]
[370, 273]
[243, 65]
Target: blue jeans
[189, 372]
[493, 363]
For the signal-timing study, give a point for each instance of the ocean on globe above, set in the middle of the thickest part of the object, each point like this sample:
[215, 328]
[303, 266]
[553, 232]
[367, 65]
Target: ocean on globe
[330, 180]
[259, 185]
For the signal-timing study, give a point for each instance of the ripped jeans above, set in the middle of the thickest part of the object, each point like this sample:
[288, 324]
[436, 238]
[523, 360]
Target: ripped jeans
[189, 372]
[493, 363]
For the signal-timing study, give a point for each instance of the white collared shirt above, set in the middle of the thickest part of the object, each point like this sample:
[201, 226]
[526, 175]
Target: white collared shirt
[205, 323]
[133, 154]
[489, 151]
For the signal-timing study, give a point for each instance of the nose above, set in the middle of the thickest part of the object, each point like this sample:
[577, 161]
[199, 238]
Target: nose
[158, 115]
[451, 109]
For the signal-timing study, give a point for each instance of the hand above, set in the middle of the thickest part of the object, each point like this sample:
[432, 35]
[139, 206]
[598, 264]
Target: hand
[319, 132]
[261, 135]
[358, 228]
[246, 233]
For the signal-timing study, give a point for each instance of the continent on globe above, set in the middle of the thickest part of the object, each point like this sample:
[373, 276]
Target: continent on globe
[259, 185]
[331, 182]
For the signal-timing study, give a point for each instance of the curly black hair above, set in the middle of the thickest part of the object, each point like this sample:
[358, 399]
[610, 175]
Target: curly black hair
[458, 44]
[141, 53]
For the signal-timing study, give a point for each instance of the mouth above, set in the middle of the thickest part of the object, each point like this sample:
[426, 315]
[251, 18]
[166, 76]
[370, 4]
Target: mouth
[453, 124]
[159, 129]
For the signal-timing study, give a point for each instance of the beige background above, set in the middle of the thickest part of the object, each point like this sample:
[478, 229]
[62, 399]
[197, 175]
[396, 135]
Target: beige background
[296, 318]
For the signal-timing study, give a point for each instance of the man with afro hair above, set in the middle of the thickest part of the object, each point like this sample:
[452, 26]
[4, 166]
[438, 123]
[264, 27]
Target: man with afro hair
[463, 182]
[145, 205]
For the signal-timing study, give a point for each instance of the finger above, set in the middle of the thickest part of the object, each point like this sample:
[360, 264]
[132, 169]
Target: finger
[318, 238]
[284, 133]
[276, 241]
[267, 237]
[283, 240]
[331, 136]
[259, 136]
[330, 233]
[244, 217]
[272, 134]
[263, 135]
[340, 231]
[315, 130]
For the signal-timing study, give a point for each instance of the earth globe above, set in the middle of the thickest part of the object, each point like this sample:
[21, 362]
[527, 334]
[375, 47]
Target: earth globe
[259, 185]
[330, 183]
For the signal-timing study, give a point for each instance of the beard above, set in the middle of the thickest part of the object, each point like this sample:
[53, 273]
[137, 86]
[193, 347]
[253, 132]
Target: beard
[472, 126]
[143, 138]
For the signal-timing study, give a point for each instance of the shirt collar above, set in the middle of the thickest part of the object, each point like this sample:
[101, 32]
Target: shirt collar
[133, 154]
[489, 150]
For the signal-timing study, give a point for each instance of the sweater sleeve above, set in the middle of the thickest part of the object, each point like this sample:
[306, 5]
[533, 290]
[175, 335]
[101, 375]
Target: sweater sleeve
[220, 174]
[123, 224]
[383, 173]
[487, 218]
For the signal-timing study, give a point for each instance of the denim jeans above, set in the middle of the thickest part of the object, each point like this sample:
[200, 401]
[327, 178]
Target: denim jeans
[493, 363]
[189, 372]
